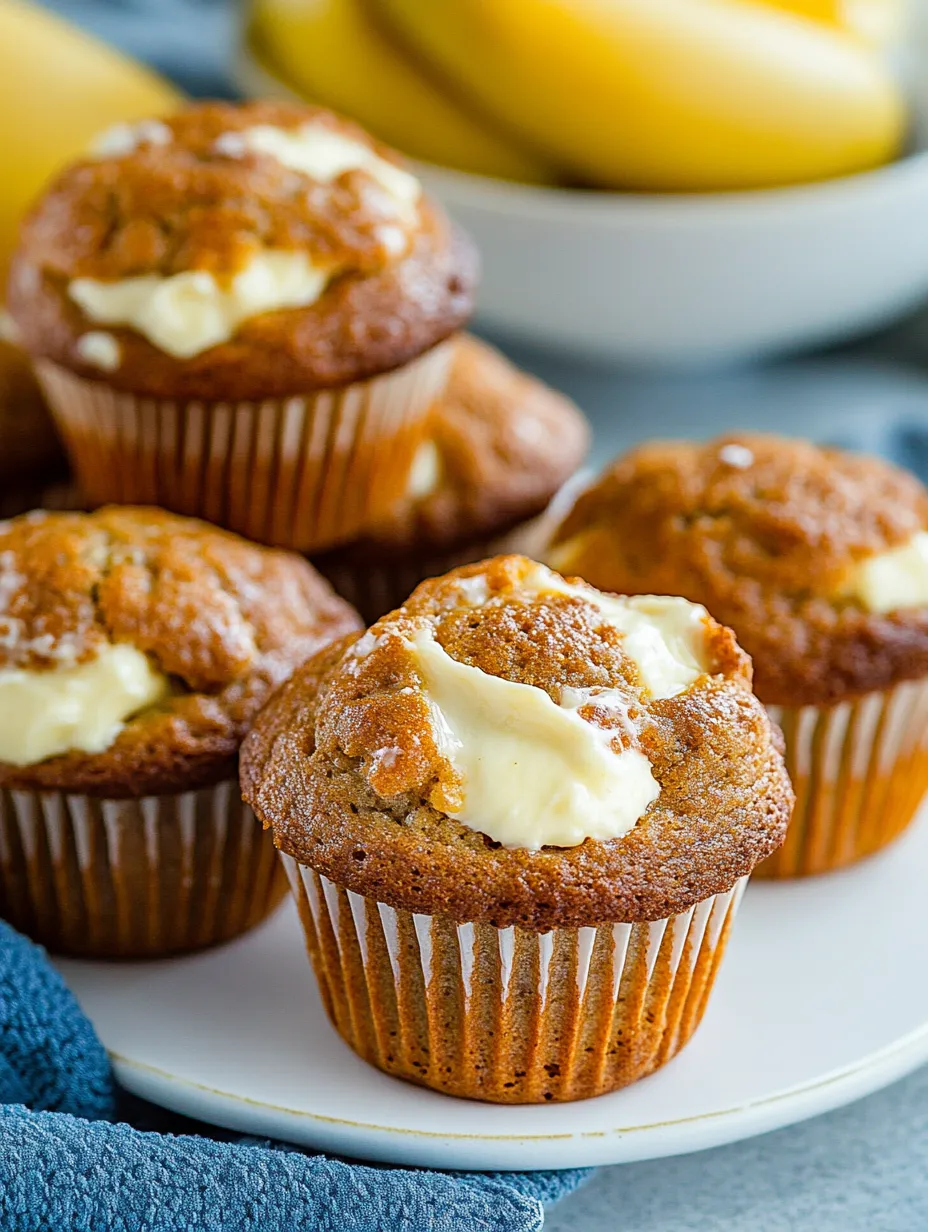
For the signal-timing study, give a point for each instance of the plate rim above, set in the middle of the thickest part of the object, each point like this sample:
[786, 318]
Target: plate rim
[679, 1136]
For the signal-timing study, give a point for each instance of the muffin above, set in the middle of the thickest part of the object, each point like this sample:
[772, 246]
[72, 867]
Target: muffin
[135, 649]
[500, 445]
[239, 312]
[518, 815]
[818, 559]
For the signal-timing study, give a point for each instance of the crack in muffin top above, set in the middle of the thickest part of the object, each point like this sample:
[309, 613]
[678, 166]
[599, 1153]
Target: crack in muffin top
[206, 192]
[222, 621]
[778, 539]
[349, 765]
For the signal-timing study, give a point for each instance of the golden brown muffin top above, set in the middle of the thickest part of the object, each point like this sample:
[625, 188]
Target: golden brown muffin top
[187, 194]
[765, 532]
[346, 762]
[501, 444]
[226, 622]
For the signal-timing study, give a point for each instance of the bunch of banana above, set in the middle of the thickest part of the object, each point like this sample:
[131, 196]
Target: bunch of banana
[660, 95]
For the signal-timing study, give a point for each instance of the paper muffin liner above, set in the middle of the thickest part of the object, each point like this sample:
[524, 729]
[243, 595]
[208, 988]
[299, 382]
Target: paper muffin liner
[302, 472]
[509, 1015]
[139, 878]
[860, 773]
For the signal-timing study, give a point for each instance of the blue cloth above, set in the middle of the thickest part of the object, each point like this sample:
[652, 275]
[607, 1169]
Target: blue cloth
[65, 1164]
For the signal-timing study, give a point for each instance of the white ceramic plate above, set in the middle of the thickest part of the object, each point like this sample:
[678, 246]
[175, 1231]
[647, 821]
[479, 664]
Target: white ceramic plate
[822, 999]
[683, 279]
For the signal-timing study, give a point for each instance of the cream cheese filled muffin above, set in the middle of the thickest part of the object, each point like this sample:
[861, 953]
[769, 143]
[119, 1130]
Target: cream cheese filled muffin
[518, 815]
[818, 559]
[135, 649]
[238, 312]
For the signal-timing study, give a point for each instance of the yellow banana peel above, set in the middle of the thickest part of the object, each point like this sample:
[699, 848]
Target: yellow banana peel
[879, 22]
[58, 88]
[673, 95]
[329, 51]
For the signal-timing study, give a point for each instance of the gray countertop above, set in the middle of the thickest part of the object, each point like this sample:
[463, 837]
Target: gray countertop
[862, 1169]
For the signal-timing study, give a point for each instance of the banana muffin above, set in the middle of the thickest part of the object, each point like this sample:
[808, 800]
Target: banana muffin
[135, 649]
[500, 445]
[517, 815]
[239, 312]
[818, 559]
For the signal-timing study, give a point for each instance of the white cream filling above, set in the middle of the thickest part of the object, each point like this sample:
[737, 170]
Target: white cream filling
[188, 313]
[74, 707]
[100, 349]
[663, 635]
[425, 472]
[533, 773]
[324, 155]
[892, 580]
[122, 139]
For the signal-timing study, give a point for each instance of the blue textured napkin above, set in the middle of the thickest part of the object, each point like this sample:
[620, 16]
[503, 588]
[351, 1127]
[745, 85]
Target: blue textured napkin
[67, 1164]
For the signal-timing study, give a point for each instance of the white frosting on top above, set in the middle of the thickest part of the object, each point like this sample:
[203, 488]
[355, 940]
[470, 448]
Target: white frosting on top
[663, 635]
[324, 155]
[893, 580]
[533, 773]
[78, 707]
[425, 472]
[122, 139]
[100, 349]
[188, 313]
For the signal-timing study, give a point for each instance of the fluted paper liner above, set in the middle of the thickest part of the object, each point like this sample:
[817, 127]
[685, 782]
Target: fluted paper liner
[860, 773]
[134, 878]
[509, 1015]
[302, 472]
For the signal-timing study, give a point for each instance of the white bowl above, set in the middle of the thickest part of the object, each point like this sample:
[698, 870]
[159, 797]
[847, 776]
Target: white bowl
[683, 279]
[696, 279]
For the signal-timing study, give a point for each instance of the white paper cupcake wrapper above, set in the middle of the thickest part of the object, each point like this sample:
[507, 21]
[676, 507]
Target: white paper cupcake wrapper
[860, 772]
[134, 878]
[301, 472]
[509, 1015]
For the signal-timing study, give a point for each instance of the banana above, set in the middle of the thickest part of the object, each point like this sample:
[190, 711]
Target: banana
[879, 22]
[328, 50]
[58, 88]
[667, 95]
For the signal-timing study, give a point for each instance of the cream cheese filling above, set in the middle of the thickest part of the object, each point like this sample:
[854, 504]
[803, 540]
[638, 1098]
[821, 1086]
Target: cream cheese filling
[665, 636]
[533, 773]
[324, 155]
[892, 580]
[425, 474]
[74, 707]
[121, 139]
[186, 314]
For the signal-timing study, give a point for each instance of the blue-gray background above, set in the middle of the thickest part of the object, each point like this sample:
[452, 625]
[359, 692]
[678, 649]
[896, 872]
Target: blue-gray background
[864, 1169]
